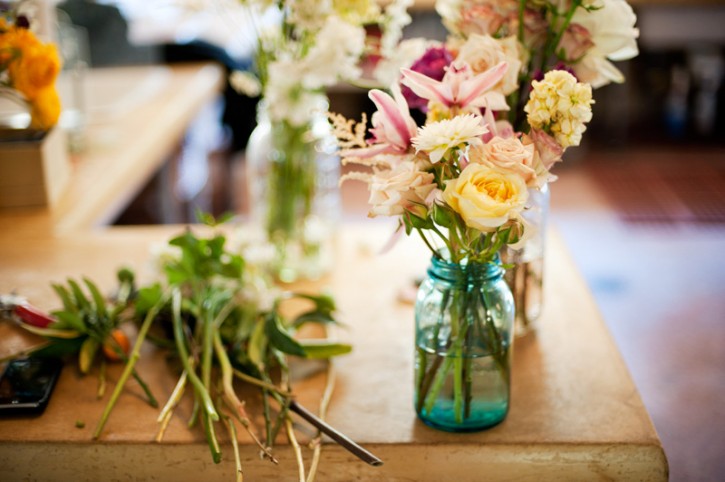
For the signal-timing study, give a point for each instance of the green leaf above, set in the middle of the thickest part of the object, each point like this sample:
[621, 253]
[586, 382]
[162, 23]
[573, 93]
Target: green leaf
[98, 298]
[314, 316]
[324, 349]
[322, 302]
[442, 216]
[87, 354]
[69, 320]
[59, 348]
[65, 297]
[148, 297]
[80, 299]
[280, 338]
[257, 345]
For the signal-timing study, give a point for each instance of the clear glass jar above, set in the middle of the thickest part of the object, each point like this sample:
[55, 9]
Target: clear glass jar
[464, 316]
[293, 174]
[526, 275]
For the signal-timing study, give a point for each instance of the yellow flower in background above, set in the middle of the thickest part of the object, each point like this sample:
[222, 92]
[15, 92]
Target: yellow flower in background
[45, 109]
[560, 106]
[31, 68]
[35, 70]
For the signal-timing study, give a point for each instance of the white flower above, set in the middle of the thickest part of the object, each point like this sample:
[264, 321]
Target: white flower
[403, 188]
[437, 138]
[335, 54]
[394, 19]
[402, 57]
[614, 36]
[482, 52]
[285, 96]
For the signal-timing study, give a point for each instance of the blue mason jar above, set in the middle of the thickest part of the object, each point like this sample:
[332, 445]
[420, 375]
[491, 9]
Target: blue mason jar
[464, 316]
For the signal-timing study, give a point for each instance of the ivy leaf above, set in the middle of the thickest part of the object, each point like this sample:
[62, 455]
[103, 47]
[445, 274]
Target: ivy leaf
[147, 297]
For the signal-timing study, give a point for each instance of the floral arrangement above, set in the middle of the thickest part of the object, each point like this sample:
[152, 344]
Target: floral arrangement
[215, 310]
[28, 68]
[304, 47]
[500, 101]
[503, 98]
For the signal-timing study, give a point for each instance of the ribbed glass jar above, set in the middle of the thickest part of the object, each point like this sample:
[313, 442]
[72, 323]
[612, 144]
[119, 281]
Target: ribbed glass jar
[464, 316]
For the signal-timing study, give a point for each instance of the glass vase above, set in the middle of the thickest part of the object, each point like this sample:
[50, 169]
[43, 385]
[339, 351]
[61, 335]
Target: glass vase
[293, 174]
[525, 274]
[464, 317]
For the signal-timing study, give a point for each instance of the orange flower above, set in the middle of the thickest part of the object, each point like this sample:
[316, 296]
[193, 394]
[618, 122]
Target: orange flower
[36, 69]
[45, 109]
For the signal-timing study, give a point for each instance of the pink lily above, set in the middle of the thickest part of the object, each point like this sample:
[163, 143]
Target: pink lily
[393, 127]
[460, 87]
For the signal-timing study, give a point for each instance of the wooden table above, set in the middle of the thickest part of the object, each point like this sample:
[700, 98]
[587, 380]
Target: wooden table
[575, 413]
[136, 118]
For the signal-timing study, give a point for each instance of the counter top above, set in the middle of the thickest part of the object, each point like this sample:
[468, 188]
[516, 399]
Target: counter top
[575, 412]
[136, 117]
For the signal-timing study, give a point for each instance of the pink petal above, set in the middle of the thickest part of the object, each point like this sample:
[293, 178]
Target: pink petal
[425, 87]
[472, 88]
[393, 122]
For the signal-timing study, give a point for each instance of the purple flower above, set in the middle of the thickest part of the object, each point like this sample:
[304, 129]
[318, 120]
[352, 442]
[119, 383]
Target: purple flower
[432, 64]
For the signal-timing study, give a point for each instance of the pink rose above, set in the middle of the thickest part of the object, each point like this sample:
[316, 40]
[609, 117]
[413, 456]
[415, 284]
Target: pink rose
[509, 154]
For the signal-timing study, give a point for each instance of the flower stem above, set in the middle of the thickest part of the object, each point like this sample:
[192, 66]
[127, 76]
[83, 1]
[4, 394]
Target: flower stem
[129, 368]
[199, 388]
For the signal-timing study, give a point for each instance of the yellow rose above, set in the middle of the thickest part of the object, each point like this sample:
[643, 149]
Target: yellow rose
[486, 197]
[45, 109]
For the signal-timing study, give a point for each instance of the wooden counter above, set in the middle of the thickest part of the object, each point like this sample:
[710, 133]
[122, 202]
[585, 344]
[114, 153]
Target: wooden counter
[575, 414]
[136, 119]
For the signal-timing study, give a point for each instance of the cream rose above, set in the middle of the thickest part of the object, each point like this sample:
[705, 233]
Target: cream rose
[486, 197]
[483, 52]
[404, 187]
[509, 154]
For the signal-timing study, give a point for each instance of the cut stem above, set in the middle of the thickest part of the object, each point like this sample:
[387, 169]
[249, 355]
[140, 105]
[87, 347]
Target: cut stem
[135, 355]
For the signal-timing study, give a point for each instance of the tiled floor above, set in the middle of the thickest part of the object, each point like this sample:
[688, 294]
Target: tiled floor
[661, 291]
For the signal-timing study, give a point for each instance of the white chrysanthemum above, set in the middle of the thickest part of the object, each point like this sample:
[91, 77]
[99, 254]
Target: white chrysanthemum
[560, 105]
[437, 138]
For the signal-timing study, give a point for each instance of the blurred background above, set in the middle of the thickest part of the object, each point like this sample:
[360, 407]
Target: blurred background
[641, 204]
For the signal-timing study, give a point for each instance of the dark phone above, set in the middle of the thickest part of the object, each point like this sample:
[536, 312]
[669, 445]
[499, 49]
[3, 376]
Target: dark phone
[26, 385]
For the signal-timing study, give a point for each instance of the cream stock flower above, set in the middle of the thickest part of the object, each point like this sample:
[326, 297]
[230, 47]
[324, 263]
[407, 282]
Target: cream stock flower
[486, 197]
[404, 187]
[509, 154]
[437, 138]
[483, 52]
[560, 105]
